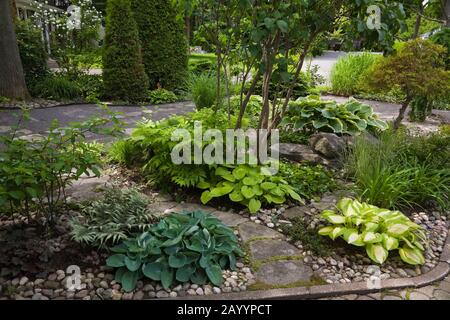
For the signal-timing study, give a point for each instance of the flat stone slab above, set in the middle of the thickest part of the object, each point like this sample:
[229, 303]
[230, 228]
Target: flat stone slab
[230, 219]
[284, 272]
[264, 249]
[87, 188]
[296, 212]
[251, 230]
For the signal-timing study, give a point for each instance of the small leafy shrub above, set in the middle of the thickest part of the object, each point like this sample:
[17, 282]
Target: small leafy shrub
[160, 96]
[309, 238]
[348, 72]
[57, 87]
[247, 185]
[400, 171]
[312, 114]
[204, 91]
[202, 63]
[91, 87]
[184, 247]
[114, 218]
[307, 181]
[253, 109]
[150, 147]
[32, 50]
[417, 69]
[294, 136]
[378, 230]
[35, 172]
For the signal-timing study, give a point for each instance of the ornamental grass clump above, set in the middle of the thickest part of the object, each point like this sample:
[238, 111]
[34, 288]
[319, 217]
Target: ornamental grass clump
[182, 247]
[378, 230]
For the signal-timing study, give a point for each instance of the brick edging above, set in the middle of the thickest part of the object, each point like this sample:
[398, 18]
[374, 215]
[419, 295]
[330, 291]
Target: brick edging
[330, 290]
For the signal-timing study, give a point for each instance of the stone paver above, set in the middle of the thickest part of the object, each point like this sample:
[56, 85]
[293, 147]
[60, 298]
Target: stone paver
[265, 249]
[230, 219]
[250, 230]
[284, 273]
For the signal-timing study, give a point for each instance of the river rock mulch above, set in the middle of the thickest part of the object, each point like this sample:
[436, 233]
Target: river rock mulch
[34, 267]
[348, 264]
[36, 103]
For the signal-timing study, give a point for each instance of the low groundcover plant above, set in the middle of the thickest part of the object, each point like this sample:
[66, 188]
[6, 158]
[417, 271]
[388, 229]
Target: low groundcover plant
[378, 230]
[182, 247]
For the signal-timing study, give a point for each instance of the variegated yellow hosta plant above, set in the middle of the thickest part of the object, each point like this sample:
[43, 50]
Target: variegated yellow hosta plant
[378, 230]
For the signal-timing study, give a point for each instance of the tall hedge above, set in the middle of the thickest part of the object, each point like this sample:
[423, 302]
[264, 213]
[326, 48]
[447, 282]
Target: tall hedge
[123, 70]
[163, 43]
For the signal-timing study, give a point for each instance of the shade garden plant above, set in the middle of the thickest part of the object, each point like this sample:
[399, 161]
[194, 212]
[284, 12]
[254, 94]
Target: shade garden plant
[378, 230]
[182, 247]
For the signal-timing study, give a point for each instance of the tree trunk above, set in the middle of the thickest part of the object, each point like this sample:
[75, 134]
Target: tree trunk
[418, 22]
[401, 114]
[12, 79]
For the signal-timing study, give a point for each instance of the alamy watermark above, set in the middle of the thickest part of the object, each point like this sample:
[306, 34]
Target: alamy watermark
[374, 19]
[237, 147]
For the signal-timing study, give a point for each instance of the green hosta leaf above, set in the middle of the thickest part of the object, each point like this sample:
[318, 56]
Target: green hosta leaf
[221, 171]
[268, 185]
[236, 196]
[129, 280]
[116, 260]
[320, 123]
[184, 273]
[247, 192]
[411, 256]
[206, 197]
[326, 231]
[336, 125]
[153, 270]
[177, 260]
[132, 264]
[203, 185]
[214, 274]
[337, 231]
[351, 236]
[371, 227]
[239, 173]
[335, 219]
[199, 277]
[377, 253]
[397, 229]
[371, 237]
[254, 205]
[250, 181]
[167, 277]
[390, 243]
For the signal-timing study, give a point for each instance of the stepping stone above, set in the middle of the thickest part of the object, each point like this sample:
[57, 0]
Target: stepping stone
[296, 212]
[284, 273]
[87, 188]
[189, 207]
[264, 249]
[4, 129]
[415, 295]
[441, 295]
[230, 219]
[163, 207]
[251, 230]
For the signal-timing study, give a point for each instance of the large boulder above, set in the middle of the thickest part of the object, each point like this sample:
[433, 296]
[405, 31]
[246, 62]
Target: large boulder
[300, 153]
[327, 144]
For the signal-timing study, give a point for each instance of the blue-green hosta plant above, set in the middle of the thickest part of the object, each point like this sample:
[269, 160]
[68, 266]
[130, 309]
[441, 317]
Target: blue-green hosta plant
[312, 114]
[378, 230]
[182, 247]
[247, 185]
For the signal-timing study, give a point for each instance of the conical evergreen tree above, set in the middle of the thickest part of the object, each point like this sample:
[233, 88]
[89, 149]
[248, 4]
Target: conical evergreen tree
[123, 72]
[164, 46]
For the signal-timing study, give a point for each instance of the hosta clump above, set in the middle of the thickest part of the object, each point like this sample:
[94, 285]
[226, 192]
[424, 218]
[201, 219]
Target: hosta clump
[312, 114]
[113, 218]
[378, 230]
[184, 247]
[249, 185]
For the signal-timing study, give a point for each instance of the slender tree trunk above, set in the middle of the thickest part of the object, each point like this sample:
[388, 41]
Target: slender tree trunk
[12, 79]
[418, 22]
[401, 114]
